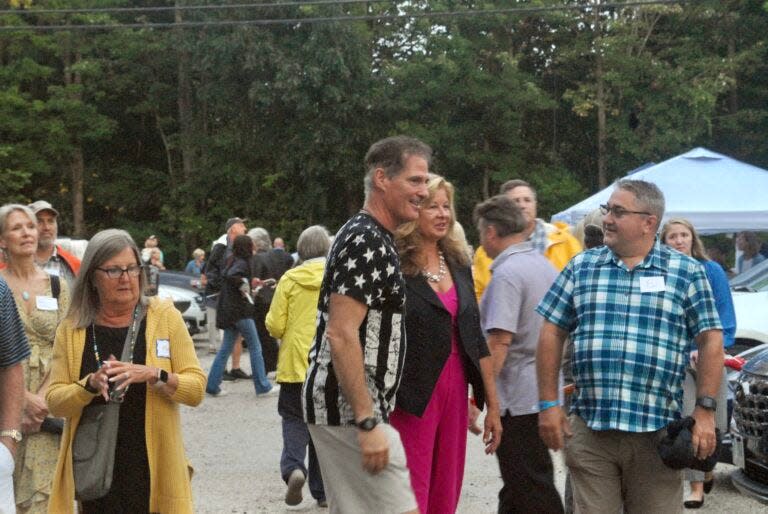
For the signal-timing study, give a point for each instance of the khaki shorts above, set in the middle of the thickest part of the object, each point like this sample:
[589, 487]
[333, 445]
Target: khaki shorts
[610, 469]
[348, 487]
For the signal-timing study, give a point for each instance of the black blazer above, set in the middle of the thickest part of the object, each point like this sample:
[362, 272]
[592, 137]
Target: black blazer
[428, 333]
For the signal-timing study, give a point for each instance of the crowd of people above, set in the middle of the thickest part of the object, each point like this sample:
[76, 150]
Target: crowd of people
[388, 340]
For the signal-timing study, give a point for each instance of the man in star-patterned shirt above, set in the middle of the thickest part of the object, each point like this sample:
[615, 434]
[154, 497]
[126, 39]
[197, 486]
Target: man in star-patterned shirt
[356, 360]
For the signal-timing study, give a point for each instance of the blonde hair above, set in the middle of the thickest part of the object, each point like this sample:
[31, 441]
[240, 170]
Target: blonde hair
[5, 211]
[697, 247]
[408, 237]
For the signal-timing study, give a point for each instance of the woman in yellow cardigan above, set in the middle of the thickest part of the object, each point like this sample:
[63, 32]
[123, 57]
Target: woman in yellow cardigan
[151, 472]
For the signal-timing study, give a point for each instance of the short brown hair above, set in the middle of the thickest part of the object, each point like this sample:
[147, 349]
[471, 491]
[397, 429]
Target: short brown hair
[509, 185]
[502, 213]
[390, 154]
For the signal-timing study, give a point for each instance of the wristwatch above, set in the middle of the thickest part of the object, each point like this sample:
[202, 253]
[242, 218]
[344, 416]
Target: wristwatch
[367, 424]
[162, 376]
[12, 433]
[706, 402]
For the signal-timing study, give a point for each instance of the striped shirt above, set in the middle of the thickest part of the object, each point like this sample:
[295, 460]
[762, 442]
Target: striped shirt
[363, 264]
[630, 329]
[14, 346]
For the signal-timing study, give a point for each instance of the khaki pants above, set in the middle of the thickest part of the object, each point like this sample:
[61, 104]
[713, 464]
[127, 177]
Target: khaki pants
[610, 469]
[348, 487]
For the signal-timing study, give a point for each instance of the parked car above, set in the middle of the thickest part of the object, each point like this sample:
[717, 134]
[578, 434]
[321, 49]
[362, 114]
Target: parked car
[189, 302]
[749, 428]
[182, 280]
[750, 300]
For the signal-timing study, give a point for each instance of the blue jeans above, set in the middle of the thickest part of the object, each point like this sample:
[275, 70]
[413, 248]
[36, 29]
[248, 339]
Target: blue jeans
[296, 440]
[247, 328]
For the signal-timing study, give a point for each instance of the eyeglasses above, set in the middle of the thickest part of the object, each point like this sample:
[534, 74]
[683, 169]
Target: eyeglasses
[117, 272]
[619, 212]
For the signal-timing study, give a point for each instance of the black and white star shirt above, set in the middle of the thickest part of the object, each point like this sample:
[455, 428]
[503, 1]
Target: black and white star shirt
[363, 264]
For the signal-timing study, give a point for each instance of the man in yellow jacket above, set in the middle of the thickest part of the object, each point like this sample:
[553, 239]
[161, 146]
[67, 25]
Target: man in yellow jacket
[553, 241]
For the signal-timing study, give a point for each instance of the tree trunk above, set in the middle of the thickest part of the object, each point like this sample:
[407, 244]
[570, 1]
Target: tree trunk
[602, 178]
[77, 169]
[733, 98]
[76, 161]
[486, 173]
[184, 102]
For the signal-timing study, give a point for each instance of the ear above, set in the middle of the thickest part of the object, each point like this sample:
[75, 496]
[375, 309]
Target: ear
[380, 179]
[651, 224]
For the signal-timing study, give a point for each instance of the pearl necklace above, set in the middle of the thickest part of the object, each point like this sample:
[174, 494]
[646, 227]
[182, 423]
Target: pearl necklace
[442, 270]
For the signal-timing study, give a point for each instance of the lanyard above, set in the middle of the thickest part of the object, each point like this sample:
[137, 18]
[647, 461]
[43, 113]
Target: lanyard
[131, 336]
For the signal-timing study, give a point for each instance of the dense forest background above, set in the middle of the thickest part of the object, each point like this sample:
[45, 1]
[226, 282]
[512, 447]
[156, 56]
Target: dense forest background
[196, 115]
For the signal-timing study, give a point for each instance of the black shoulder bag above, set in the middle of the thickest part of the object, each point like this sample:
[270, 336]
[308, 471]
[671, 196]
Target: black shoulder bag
[93, 448]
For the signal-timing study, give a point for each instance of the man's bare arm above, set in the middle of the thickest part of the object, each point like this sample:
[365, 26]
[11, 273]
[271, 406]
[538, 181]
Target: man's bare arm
[498, 343]
[553, 424]
[709, 372]
[11, 401]
[345, 315]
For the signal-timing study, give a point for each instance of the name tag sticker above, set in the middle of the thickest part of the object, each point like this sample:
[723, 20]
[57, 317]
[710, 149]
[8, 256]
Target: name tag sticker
[163, 347]
[46, 303]
[53, 272]
[652, 284]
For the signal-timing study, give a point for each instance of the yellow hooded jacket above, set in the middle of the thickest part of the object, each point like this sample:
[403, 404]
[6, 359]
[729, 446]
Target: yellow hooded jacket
[292, 317]
[562, 246]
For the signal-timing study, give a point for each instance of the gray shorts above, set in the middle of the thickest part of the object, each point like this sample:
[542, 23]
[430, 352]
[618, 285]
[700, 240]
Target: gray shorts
[351, 489]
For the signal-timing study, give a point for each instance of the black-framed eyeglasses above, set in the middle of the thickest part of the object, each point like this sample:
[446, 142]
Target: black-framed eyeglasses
[116, 272]
[619, 212]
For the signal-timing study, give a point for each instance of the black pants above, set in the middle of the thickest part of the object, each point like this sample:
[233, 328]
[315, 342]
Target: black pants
[268, 343]
[526, 469]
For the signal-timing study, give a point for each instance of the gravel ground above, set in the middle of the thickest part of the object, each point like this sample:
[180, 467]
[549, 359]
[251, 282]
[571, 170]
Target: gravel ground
[234, 444]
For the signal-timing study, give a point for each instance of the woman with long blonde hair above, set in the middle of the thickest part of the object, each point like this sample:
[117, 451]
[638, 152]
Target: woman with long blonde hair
[680, 234]
[446, 352]
[42, 301]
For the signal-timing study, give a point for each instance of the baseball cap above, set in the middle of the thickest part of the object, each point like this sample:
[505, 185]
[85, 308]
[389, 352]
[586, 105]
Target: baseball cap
[42, 205]
[233, 221]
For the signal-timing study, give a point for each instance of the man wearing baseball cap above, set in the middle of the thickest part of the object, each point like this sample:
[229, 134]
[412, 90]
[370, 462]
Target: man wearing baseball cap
[213, 273]
[50, 256]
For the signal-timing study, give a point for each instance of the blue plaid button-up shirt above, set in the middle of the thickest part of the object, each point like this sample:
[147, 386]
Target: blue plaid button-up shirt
[630, 330]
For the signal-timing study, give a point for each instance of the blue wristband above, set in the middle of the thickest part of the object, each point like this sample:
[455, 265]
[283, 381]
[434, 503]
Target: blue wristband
[548, 404]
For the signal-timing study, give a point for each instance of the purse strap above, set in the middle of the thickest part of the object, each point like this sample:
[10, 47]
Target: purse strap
[133, 333]
[130, 337]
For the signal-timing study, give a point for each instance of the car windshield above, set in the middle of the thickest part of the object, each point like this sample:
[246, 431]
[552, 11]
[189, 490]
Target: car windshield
[755, 279]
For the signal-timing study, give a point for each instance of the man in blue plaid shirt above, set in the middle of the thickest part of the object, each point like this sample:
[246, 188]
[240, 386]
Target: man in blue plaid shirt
[632, 308]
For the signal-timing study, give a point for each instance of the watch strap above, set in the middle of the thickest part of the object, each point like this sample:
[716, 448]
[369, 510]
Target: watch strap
[367, 424]
[706, 402]
[12, 433]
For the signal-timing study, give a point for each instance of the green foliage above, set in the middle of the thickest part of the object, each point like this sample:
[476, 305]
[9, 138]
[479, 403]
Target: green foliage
[182, 129]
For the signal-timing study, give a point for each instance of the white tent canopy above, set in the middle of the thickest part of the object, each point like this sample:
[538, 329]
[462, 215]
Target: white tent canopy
[715, 192]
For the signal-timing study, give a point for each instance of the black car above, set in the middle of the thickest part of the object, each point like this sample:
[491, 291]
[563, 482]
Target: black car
[749, 429]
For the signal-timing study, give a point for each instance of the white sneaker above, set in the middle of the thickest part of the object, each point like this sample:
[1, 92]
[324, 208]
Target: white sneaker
[222, 392]
[272, 392]
[295, 483]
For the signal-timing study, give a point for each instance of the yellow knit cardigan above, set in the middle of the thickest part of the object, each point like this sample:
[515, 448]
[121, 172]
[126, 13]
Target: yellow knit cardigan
[169, 470]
